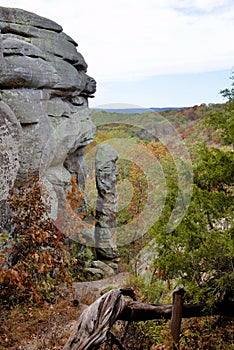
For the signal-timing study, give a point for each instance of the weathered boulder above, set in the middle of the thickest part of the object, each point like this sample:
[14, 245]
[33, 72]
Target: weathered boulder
[45, 121]
[106, 208]
[93, 272]
[105, 268]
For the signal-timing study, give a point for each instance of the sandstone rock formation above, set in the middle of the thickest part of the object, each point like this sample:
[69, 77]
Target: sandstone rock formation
[106, 209]
[44, 115]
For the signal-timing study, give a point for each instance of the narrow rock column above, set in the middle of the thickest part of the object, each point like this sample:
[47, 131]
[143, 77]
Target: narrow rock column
[106, 209]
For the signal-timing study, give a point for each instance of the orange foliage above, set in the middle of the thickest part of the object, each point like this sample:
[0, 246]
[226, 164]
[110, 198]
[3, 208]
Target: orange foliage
[34, 261]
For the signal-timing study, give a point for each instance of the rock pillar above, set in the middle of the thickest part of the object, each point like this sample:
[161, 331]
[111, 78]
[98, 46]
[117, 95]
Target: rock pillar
[106, 209]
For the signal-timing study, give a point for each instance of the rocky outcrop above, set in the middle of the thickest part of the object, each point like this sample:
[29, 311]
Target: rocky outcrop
[44, 115]
[106, 209]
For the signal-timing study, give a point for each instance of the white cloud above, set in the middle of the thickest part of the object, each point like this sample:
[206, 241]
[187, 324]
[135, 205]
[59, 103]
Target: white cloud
[131, 39]
[202, 5]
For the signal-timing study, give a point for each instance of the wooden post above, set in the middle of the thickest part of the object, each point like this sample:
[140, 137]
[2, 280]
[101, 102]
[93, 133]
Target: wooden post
[176, 315]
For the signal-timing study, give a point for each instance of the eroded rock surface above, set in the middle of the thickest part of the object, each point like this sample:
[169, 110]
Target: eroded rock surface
[10, 142]
[44, 91]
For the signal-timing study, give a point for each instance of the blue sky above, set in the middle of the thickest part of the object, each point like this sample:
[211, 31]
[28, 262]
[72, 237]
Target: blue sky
[178, 90]
[149, 52]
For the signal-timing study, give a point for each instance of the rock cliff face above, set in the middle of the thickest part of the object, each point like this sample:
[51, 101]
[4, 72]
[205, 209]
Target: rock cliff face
[45, 122]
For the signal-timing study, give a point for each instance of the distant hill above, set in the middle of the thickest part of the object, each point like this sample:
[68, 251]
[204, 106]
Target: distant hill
[136, 110]
[156, 109]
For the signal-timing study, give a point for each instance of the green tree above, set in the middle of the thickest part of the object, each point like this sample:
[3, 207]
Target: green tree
[200, 251]
[222, 119]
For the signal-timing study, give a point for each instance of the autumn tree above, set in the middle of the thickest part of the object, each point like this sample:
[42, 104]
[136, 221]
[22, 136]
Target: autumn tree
[33, 258]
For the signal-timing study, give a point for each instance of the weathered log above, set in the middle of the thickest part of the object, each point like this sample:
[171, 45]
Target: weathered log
[94, 323]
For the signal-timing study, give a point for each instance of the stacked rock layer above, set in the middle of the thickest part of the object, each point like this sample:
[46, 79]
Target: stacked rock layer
[44, 91]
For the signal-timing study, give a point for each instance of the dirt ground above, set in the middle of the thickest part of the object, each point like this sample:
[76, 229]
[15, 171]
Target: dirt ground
[46, 327]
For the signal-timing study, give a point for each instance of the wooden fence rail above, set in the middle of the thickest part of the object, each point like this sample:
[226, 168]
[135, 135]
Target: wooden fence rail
[94, 323]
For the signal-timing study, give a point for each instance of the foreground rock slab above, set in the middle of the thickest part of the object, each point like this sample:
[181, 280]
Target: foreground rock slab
[88, 292]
